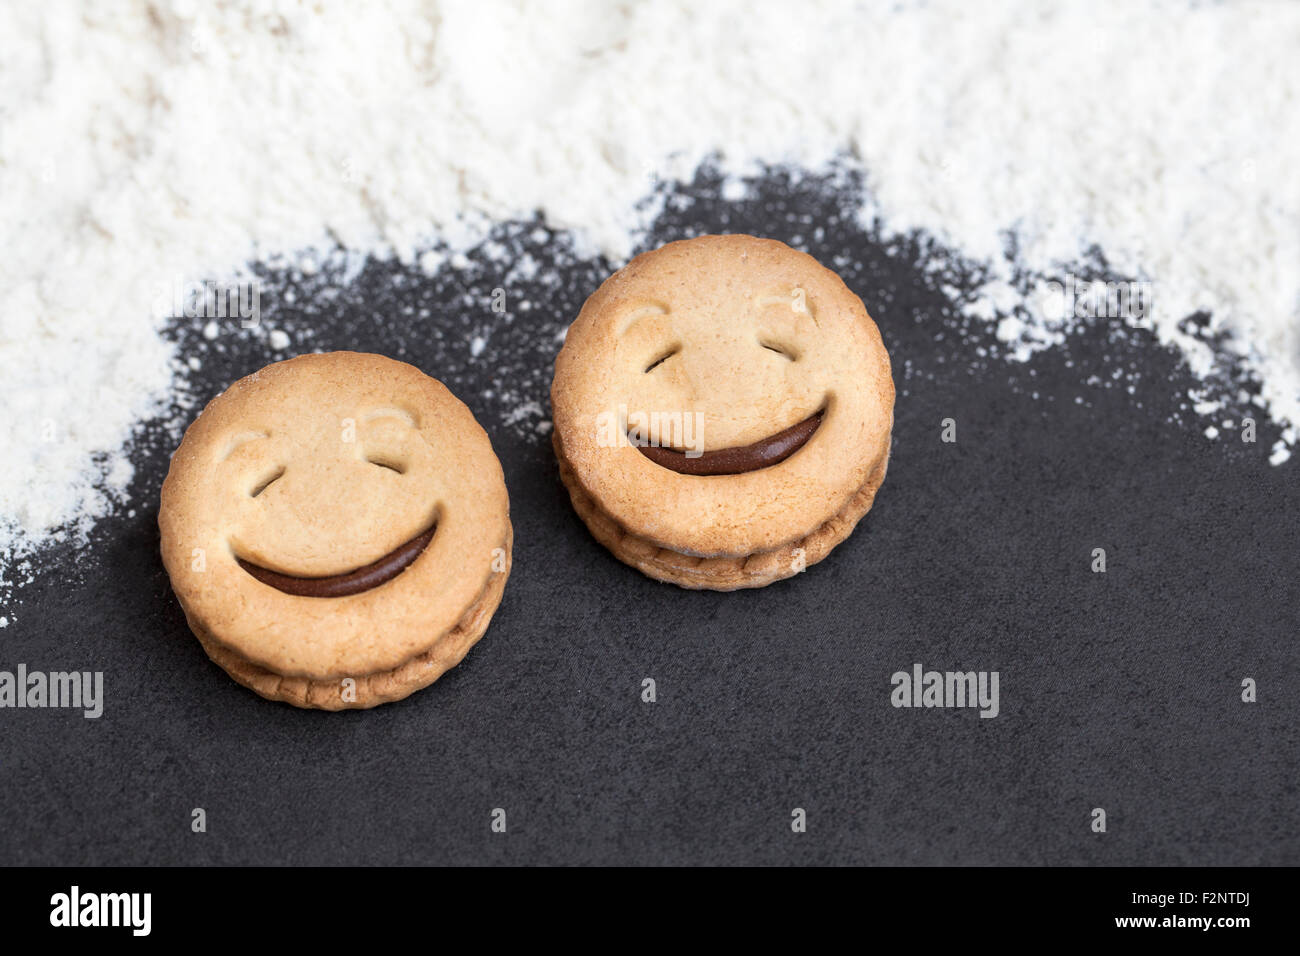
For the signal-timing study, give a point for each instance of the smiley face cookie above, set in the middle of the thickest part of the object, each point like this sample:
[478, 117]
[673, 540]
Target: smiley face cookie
[336, 529]
[723, 409]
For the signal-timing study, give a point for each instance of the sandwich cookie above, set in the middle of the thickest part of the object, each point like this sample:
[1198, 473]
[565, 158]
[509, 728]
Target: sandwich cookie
[337, 530]
[722, 409]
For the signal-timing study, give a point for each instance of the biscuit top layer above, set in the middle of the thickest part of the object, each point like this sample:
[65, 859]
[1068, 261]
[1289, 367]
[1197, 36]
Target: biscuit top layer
[748, 337]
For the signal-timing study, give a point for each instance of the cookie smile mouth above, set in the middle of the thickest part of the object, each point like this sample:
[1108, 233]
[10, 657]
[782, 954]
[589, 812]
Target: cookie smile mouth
[351, 582]
[763, 453]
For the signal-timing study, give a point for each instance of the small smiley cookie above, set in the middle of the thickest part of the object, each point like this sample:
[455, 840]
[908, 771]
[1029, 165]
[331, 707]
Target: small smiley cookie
[337, 530]
[723, 408]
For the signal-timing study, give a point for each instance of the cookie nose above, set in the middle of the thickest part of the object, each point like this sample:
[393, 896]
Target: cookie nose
[744, 392]
[339, 514]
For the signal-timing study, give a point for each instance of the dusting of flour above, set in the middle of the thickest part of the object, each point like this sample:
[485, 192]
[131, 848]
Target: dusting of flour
[143, 144]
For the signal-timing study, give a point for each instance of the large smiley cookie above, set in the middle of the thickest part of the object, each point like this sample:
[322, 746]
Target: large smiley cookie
[723, 408]
[337, 530]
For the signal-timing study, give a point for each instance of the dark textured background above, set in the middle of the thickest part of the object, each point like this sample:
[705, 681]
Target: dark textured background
[1119, 690]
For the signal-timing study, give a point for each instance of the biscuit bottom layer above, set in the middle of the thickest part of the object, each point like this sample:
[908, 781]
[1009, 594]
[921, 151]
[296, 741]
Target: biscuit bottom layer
[380, 687]
[727, 572]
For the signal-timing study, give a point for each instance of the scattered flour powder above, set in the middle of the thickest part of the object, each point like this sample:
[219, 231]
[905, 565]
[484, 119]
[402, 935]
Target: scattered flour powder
[144, 144]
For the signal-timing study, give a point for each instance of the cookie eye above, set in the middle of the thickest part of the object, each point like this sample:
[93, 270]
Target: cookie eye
[781, 349]
[266, 482]
[391, 464]
[663, 358]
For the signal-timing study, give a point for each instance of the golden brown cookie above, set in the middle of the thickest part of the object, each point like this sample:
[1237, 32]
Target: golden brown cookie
[337, 530]
[723, 409]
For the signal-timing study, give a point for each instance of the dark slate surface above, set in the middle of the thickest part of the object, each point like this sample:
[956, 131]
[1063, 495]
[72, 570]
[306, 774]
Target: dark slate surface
[1119, 690]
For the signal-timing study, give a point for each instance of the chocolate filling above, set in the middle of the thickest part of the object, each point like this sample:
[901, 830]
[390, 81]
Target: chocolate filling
[734, 461]
[352, 582]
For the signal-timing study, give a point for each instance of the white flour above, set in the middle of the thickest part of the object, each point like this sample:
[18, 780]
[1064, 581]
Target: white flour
[143, 144]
